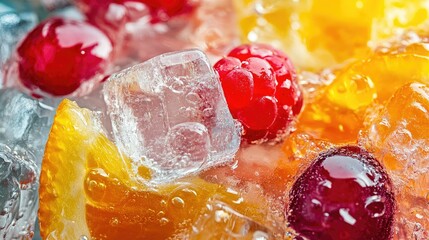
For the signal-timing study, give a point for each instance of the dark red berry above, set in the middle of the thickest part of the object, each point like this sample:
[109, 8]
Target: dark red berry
[267, 110]
[59, 55]
[344, 194]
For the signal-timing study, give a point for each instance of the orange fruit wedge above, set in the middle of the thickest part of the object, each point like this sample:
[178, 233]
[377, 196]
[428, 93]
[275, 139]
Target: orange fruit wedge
[89, 189]
[378, 77]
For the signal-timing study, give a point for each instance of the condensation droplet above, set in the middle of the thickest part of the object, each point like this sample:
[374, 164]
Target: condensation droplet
[208, 112]
[163, 221]
[114, 222]
[177, 86]
[178, 202]
[193, 98]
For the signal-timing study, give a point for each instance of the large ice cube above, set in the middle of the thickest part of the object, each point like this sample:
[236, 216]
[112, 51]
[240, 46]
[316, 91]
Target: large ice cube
[18, 194]
[170, 113]
[24, 122]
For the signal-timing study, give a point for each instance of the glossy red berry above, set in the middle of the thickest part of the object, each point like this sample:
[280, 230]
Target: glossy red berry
[59, 55]
[344, 194]
[158, 10]
[260, 86]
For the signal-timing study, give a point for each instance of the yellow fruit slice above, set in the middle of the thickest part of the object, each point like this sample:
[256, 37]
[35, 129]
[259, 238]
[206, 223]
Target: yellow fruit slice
[88, 188]
[319, 33]
[378, 77]
[62, 202]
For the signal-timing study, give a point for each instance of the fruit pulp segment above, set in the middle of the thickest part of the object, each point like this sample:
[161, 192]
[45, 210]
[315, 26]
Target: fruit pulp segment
[337, 113]
[62, 204]
[320, 33]
[150, 213]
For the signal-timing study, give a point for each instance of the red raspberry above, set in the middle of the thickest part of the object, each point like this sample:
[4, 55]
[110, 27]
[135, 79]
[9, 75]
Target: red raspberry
[260, 87]
[59, 55]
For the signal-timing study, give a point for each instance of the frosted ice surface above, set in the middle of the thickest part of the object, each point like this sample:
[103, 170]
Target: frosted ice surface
[222, 222]
[25, 122]
[398, 134]
[170, 114]
[13, 27]
[24, 128]
[18, 193]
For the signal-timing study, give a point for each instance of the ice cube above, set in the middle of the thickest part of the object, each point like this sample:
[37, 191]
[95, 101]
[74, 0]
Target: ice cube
[398, 135]
[13, 27]
[220, 221]
[25, 122]
[170, 113]
[18, 194]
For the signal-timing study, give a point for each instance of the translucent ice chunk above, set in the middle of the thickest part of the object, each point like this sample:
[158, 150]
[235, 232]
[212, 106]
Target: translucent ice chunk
[170, 113]
[13, 27]
[222, 222]
[18, 194]
[25, 122]
[398, 134]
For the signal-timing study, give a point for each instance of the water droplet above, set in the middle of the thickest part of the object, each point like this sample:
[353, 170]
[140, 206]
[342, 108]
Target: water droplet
[92, 185]
[114, 222]
[193, 98]
[163, 221]
[375, 205]
[221, 216]
[163, 203]
[160, 214]
[178, 202]
[177, 86]
[208, 112]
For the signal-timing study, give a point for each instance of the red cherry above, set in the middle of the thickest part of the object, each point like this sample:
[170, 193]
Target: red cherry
[59, 55]
[344, 194]
[273, 77]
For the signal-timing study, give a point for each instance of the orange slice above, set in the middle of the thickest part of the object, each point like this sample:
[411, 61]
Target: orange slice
[379, 76]
[62, 202]
[88, 188]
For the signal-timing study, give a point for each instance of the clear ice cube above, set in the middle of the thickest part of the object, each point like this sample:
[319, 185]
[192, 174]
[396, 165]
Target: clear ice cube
[170, 114]
[220, 221]
[25, 122]
[18, 194]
